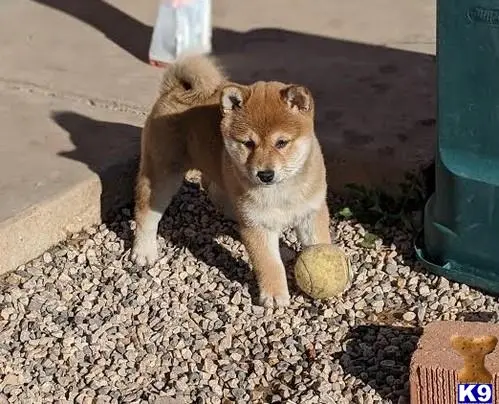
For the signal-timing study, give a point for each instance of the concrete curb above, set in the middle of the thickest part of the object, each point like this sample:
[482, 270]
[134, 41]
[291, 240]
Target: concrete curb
[33, 231]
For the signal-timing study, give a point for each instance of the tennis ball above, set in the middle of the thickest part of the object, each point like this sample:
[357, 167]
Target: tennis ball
[323, 271]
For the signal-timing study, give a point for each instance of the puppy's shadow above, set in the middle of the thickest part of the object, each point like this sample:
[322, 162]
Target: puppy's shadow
[191, 221]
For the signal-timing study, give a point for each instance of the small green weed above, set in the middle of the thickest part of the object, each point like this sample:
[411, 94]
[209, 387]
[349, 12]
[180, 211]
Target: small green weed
[380, 209]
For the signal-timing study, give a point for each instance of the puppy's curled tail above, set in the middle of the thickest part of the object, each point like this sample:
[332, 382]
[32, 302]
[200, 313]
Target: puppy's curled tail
[192, 79]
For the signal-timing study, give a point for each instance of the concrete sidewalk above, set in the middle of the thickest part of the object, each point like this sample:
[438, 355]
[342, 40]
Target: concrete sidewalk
[74, 88]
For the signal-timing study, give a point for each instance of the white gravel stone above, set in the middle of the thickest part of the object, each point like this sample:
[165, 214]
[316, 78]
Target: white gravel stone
[409, 316]
[47, 258]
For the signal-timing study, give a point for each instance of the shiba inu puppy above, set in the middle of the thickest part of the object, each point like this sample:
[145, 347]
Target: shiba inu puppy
[258, 154]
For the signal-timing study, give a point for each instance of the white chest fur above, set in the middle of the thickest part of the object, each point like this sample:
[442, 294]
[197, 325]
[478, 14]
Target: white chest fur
[279, 206]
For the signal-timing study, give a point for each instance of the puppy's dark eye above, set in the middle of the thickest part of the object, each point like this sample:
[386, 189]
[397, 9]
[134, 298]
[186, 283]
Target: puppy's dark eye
[280, 144]
[249, 144]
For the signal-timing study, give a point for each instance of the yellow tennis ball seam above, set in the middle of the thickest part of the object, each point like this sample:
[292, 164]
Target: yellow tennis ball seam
[309, 277]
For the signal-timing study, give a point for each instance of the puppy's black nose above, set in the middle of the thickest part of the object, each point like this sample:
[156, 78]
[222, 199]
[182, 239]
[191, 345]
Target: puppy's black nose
[265, 176]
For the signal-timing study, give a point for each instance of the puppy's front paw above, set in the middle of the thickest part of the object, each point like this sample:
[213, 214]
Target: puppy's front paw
[274, 300]
[144, 253]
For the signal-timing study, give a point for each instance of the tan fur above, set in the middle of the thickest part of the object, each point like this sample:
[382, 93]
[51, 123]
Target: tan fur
[202, 121]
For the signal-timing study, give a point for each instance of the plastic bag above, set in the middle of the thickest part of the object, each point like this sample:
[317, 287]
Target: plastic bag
[182, 27]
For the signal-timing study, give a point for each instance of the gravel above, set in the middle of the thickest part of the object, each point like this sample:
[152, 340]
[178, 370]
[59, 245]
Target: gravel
[82, 324]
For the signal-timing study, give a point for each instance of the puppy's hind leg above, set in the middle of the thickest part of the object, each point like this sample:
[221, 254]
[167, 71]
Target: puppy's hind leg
[152, 199]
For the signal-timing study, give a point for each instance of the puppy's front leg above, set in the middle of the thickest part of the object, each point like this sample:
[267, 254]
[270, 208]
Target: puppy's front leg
[263, 250]
[314, 228]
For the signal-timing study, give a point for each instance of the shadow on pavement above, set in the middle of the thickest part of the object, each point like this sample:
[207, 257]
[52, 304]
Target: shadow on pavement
[101, 146]
[125, 31]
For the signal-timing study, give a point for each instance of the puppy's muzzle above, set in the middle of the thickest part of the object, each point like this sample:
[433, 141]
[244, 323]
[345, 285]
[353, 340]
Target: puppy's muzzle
[266, 176]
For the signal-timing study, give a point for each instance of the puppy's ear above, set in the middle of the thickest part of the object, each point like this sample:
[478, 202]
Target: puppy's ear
[298, 98]
[232, 98]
